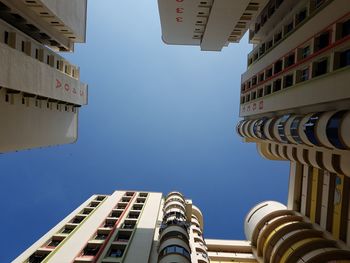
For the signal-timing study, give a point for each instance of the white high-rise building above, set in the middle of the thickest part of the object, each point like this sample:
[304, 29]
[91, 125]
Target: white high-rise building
[40, 91]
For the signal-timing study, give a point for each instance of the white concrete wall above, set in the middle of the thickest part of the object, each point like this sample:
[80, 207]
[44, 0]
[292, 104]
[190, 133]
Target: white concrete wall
[25, 126]
[140, 248]
[27, 253]
[77, 242]
[71, 13]
[24, 73]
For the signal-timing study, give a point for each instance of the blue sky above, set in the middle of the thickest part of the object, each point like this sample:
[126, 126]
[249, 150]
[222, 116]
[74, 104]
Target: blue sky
[159, 118]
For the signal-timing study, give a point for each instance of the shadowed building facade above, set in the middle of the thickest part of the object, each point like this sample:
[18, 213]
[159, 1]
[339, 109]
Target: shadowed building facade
[40, 91]
[294, 101]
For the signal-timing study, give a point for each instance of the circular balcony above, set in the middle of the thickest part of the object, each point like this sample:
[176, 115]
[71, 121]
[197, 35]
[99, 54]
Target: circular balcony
[174, 231]
[174, 204]
[174, 253]
[175, 194]
[202, 257]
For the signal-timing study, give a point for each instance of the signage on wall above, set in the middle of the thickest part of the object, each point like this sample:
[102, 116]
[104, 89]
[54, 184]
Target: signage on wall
[253, 107]
[179, 10]
[67, 88]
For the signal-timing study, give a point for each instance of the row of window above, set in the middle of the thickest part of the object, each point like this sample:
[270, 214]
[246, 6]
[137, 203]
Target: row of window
[56, 240]
[300, 16]
[300, 54]
[31, 100]
[124, 234]
[39, 52]
[244, 21]
[315, 69]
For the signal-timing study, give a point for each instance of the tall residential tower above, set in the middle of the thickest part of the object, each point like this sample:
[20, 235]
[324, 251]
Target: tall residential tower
[40, 91]
[145, 227]
[294, 96]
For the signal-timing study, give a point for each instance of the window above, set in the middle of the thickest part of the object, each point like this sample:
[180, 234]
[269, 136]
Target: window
[174, 249]
[242, 99]
[77, 219]
[137, 207]
[269, 44]
[86, 211]
[288, 28]
[300, 16]
[254, 80]
[116, 214]
[288, 80]
[289, 60]
[267, 90]
[94, 204]
[67, 230]
[271, 10]
[121, 206]
[22, 46]
[278, 66]
[134, 215]
[261, 77]
[320, 67]
[54, 243]
[37, 53]
[123, 236]
[332, 129]
[278, 37]
[260, 93]
[294, 130]
[6, 37]
[101, 236]
[318, 3]
[90, 250]
[109, 224]
[37, 258]
[346, 28]
[128, 226]
[269, 73]
[262, 49]
[140, 200]
[310, 129]
[253, 95]
[126, 199]
[100, 198]
[303, 74]
[305, 52]
[247, 98]
[322, 41]
[344, 58]
[281, 128]
[277, 85]
[116, 252]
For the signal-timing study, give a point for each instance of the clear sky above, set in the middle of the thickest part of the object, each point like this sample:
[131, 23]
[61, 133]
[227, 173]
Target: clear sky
[159, 118]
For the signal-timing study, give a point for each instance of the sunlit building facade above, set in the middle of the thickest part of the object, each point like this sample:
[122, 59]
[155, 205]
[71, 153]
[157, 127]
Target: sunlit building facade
[294, 97]
[131, 226]
[40, 91]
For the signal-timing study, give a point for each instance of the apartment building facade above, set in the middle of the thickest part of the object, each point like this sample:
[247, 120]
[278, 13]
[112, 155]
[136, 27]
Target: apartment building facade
[132, 226]
[127, 226]
[40, 91]
[294, 96]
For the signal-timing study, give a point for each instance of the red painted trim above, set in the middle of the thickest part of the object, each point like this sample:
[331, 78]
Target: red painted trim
[95, 258]
[113, 230]
[303, 60]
